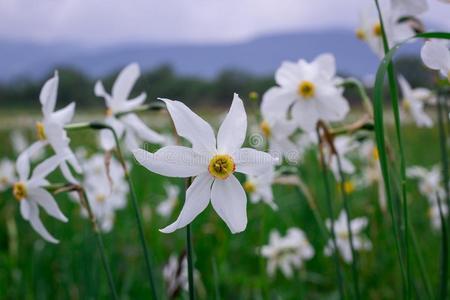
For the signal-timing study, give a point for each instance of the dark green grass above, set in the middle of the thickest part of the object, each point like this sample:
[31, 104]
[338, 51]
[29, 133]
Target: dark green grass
[72, 269]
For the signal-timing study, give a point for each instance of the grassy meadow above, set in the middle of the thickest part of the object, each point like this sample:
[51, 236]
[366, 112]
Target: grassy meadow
[229, 265]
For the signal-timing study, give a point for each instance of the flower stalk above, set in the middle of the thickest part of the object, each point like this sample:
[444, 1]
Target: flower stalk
[189, 253]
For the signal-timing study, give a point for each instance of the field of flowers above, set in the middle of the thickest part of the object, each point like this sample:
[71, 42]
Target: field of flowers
[289, 194]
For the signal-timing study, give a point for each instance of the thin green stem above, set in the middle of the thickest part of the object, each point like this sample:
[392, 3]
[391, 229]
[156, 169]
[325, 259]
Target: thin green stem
[325, 179]
[395, 106]
[216, 279]
[137, 213]
[441, 112]
[189, 254]
[99, 239]
[349, 229]
[362, 93]
[443, 278]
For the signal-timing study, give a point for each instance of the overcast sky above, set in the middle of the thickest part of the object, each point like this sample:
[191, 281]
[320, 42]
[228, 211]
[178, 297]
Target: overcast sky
[102, 22]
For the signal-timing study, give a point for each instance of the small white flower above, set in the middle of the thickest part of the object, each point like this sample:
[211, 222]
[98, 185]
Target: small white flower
[413, 102]
[436, 56]
[31, 194]
[166, 207]
[211, 161]
[370, 31]
[129, 124]
[51, 130]
[259, 187]
[435, 216]
[106, 190]
[287, 253]
[430, 182]
[7, 174]
[309, 91]
[343, 239]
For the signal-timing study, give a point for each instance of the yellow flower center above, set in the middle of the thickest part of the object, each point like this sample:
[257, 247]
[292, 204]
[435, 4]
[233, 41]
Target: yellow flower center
[221, 166]
[377, 29]
[19, 190]
[406, 105]
[109, 112]
[306, 89]
[343, 235]
[100, 198]
[40, 131]
[360, 34]
[254, 96]
[375, 154]
[265, 128]
[349, 187]
[249, 187]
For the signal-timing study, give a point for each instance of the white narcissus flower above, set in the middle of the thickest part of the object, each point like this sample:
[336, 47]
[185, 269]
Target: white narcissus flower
[308, 92]
[259, 187]
[413, 102]
[51, 130]
[166, 207]
[212, 162]
[370, 30]
[31, 193]
[106, 190]
[287, 253]
[436, 56]
[130, 125]
[430, 182]
[7, 174]
[343, 239]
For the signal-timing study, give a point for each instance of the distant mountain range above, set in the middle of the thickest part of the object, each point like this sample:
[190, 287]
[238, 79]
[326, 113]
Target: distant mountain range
[25, 60]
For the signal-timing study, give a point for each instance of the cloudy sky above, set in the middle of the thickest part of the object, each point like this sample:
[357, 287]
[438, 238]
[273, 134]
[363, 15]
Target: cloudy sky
[95, 23]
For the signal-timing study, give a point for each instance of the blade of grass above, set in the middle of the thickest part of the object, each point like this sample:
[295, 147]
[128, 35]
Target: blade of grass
[443, 278]
[189, 254]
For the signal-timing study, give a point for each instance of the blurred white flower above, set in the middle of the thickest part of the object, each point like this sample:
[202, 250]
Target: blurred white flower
[166, 207]
[357, 225]
[435, 216]
[287, 253]
[413, 102]
[51, 130]
[308, 91]
[430, 182]
[7, 174]
[175, 274]
[106, 189]
[117, 102]
[343, 145]
[259, 187]
[20, 143]
[436, 56]
[211, 161]
[31, 193]
[369, 29]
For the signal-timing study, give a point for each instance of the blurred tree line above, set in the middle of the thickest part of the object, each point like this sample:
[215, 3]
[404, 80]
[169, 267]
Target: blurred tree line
[164, 82]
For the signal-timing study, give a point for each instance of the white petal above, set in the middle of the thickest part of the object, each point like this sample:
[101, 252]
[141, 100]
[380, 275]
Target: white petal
[288, 74]
[46, 167]
[48, 95]
[358, 224]
[197, 199]
[45, 199]
[64, 115]
[107, 138]
[23, 166]
[190, 126]
[36, 223]
[409, 7]
[306, 115]
[132, 103]
[173, 161]
[326, 64]
[141, 130]
[276, 102]
[253, 162]
[436, 56]
[230, 202]
[405, 87]
[25, 209]
[67, 174]
[100, 91]
[232, 132]
[35, 148]
[125, 82]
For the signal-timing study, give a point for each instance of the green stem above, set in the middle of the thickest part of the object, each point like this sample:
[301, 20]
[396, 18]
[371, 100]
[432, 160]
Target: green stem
[189, 254]
[362, 93]
[395, 106]
[349, 229]
[443, 148]
[101, 247]
[443, 280]
[137, 212]
[216, 279]
[331, 216]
